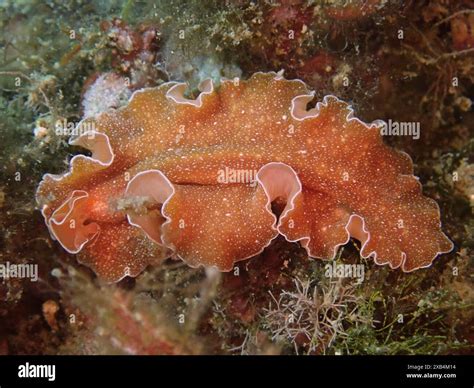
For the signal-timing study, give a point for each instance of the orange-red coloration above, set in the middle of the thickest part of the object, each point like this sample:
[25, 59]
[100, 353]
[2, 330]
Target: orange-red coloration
[153, 186]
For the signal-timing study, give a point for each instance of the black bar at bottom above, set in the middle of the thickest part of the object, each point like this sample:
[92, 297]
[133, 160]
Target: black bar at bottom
[137, 371]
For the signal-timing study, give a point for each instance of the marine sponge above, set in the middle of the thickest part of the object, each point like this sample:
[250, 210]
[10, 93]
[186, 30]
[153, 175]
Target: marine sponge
[196, 180]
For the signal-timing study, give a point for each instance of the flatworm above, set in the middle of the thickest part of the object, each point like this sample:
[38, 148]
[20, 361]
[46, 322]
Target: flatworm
[153, 188]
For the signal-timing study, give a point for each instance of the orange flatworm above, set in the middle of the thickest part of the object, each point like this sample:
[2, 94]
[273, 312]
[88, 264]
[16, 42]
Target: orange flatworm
[196, 180]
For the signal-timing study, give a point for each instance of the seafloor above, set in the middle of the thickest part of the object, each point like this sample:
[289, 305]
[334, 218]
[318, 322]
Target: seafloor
[407, 61]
